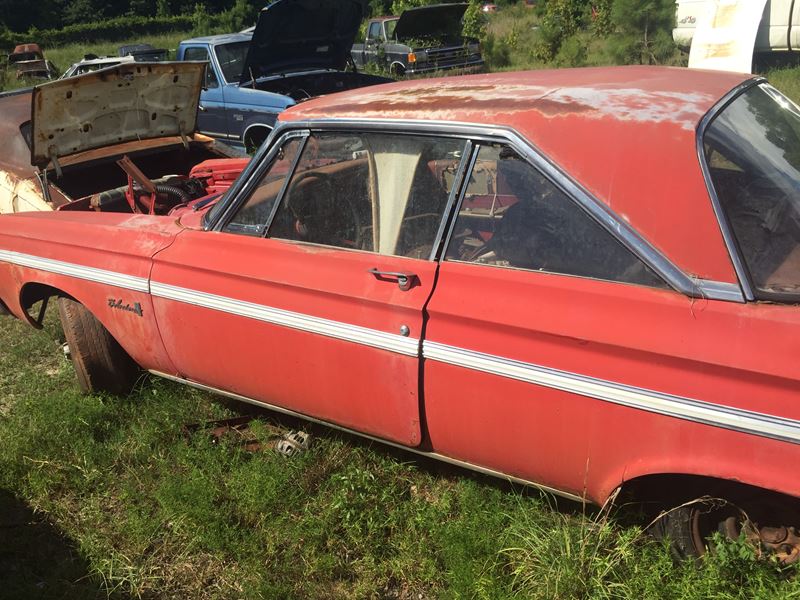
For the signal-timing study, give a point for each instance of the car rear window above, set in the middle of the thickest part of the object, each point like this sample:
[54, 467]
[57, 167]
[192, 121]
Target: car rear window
[512, 216]
[752, 151]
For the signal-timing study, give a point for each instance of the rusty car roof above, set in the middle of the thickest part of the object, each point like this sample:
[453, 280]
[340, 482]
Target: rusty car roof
[626, 134]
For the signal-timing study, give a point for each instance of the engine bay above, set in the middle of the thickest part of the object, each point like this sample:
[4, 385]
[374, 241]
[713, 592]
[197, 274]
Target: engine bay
[163, 195]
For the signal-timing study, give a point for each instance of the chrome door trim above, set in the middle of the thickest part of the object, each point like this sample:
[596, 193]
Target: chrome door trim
[670, 405]
[365, 336]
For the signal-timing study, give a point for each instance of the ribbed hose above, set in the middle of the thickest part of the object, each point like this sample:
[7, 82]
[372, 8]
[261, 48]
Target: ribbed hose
[173, 190]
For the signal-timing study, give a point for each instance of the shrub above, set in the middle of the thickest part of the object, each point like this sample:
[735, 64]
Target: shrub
[560, 21]
[120, 28]
[496, 52]
[572, 52]
[643, 31]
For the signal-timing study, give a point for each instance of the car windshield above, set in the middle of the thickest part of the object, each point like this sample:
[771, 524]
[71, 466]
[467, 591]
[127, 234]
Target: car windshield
[752, 150]
[231, 59]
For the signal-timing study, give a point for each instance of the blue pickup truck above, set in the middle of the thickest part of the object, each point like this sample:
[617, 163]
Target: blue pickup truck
[299, 49]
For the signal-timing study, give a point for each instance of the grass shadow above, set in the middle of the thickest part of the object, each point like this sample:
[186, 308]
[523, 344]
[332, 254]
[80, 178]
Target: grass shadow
[38, 561]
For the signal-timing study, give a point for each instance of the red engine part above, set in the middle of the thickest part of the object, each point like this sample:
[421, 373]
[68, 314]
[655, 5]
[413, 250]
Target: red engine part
[218, 174]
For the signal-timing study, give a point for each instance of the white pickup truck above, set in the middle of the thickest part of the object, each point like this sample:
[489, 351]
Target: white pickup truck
[779, 30]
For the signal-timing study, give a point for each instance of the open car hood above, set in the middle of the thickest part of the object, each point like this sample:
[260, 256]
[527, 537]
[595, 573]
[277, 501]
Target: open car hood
[133, 101]
[438, 20]
[298, 35]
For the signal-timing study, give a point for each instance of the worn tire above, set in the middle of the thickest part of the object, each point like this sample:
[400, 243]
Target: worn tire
[100, 362]
[689, 527]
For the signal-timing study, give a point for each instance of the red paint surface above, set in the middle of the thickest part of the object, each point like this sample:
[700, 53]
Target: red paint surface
[730, 354]
[363, 388]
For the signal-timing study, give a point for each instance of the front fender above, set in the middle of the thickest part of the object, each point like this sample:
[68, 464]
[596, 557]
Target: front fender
[101, 260]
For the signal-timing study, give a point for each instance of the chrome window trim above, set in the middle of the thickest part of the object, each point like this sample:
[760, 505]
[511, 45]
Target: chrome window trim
[285, 186]
[607, 218]
[722, 219]
[441, 251]
[249, 179]
[720, 290]
[454, 198]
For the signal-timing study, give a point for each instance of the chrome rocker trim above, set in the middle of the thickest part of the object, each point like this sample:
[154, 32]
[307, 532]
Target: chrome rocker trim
[434, 455]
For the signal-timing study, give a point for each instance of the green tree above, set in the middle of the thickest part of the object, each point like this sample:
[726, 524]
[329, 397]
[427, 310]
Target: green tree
[643, 31]
[242, 14]
[561, 20]
[201, 20]
[474, 21]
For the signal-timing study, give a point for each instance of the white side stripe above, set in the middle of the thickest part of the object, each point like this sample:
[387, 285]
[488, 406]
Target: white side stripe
[666, 404]
[119, 280]
[334, 329]
[727, 417]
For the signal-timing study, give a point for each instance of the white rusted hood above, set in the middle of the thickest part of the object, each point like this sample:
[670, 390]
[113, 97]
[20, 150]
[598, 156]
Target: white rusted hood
[128, 102]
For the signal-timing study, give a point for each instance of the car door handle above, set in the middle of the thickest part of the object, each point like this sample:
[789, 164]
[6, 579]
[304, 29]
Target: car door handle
[405, 281]
[201, 108]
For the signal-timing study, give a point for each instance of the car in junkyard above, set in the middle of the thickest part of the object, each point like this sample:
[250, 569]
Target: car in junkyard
[584, 280]
[29, 62]
[423, 39]
[298, 49]
[63, 139]
[92, 62]
[143, 52]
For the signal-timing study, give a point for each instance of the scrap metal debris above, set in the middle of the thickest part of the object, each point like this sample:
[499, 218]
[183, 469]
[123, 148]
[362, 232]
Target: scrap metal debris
[238, 431]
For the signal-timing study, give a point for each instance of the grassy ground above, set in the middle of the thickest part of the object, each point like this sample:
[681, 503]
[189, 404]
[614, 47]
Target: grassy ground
[109, 496]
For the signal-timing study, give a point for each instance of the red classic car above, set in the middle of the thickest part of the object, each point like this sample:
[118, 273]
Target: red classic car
[583, 280]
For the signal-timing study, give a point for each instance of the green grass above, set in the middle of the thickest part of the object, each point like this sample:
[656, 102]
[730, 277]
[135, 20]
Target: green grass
[115, 494]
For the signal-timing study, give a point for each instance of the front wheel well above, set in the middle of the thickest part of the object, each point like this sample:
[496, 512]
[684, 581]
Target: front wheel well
[31, 293]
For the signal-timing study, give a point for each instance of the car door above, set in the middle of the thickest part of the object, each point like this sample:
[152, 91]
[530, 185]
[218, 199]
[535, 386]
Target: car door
[373, 42]
[310, 293]
[212, 113]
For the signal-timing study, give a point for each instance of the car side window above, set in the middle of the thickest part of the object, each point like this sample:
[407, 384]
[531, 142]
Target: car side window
[383, 193]
[198, 53]
[252, 217]
[374, 31]
[513, 216]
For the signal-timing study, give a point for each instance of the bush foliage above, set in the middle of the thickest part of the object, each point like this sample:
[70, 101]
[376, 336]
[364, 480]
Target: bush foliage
[121, 28]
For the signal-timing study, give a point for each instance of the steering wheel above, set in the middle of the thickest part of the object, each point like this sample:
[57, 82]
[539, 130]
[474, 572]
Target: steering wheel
[320, 222]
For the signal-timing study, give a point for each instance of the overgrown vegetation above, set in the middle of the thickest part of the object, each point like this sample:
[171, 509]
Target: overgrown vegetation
[110, 496]
[59, 14]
